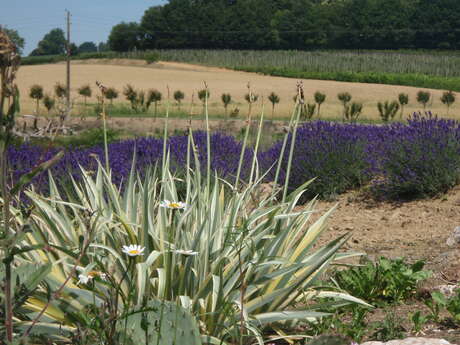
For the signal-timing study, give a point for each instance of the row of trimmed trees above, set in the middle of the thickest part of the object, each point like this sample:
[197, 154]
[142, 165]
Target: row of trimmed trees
[141, 100]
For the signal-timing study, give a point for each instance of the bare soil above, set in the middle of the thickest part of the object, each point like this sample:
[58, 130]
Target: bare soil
[189, 78]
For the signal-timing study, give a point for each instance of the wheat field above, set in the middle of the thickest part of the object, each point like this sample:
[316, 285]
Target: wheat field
[189, 79]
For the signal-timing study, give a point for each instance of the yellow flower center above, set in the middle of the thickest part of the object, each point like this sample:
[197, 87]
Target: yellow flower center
[174, 205]
[134, 252]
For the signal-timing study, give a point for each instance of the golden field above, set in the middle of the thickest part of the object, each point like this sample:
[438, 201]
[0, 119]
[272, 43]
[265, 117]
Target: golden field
[190, 78]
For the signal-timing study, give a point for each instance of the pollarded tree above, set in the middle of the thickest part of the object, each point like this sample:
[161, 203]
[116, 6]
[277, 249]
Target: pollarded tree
[226, 100]
[60, 90]
[85, 91]
[48, 102]
[387, 110]
[423, 97]
[179, 96]
[203, 95]
[274, 100]
[403, 99]
[154, 96]
[36, 93]
[111, 93]
[344, 98]
[319, 99]
[448, 98]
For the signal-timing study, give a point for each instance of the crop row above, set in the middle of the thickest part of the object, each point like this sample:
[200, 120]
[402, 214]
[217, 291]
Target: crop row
[421, 158]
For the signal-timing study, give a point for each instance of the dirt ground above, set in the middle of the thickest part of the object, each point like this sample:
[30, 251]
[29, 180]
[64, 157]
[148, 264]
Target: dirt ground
[189, 78]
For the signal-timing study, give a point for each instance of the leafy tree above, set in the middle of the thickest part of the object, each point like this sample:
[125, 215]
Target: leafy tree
[85, 91]
[48, 102]
[36, 92]
[87, 47]
[387, 110]
[16, 38]
[319, 99]
[403, 99]
[203, 95]
[60, 90]
[448, 98]
[111, 93]
[154, 96]
[179, 96]
[103, 47]
[423, 97]
[125, 37]
[53, 43]
[226, 99]
[274, 99]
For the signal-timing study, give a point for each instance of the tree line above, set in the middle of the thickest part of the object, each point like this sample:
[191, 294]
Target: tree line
[293, 24]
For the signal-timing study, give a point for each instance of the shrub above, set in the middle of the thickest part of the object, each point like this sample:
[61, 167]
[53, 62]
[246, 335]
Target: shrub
[332, 153]
[226, 99]
[319, 99]
[448, 98]
[60, 90]
[353, 111]
[387, 110]
[36, 92]
[48, 102]
[417, 160]
[403, 99]
[178, 97]
[111, 93]
[85, 91]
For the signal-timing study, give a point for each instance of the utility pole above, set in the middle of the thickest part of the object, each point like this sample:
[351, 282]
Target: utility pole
[67, 115]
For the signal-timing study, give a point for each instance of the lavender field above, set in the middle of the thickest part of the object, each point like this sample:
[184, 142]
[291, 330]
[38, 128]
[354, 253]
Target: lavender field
[421, 158]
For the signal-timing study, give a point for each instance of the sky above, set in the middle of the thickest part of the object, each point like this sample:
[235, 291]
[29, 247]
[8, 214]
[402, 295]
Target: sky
[91, 20]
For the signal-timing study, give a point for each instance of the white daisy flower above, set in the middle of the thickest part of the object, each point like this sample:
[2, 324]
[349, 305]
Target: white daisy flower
[175, 205]
[133, 250]
[186, 252]
[84, 279]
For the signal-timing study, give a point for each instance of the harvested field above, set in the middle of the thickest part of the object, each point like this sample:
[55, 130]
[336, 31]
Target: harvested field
[189, 78]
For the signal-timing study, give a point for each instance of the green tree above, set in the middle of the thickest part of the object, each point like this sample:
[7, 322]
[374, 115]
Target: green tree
[16, 38]
[226, 100]
[85, 91]
[154, 96]
[125, 37]
[274, 99]
[178, 97]
[319, 99]
[53, 43]
[403, 99]
[87, 47]
[111, 93]
[48, 102]
[423, 97]
[448, 98]
[60, 90]
[36, 92]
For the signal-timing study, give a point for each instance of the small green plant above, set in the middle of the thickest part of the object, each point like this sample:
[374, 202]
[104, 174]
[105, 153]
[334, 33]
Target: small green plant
[344, 98]
[419, 320]
[353, 111]
[382, 282]
[60, 90]
[423, 97]
[85, 91]
[274, 100]
[320, 98]
[36, 93]
[111, 93]
[453, 307]
[435, 304]
[178, 97]
[403, 99]
[448, 98]
[226, 100]
[389, 329]
[387, 110]
[48, 102]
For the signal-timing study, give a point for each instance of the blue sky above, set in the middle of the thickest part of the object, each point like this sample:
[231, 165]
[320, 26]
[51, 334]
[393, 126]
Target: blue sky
[91, 20]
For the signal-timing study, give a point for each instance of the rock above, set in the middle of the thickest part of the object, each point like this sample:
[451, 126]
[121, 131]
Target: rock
[454, 238]
[410, 341]
[447, 290]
